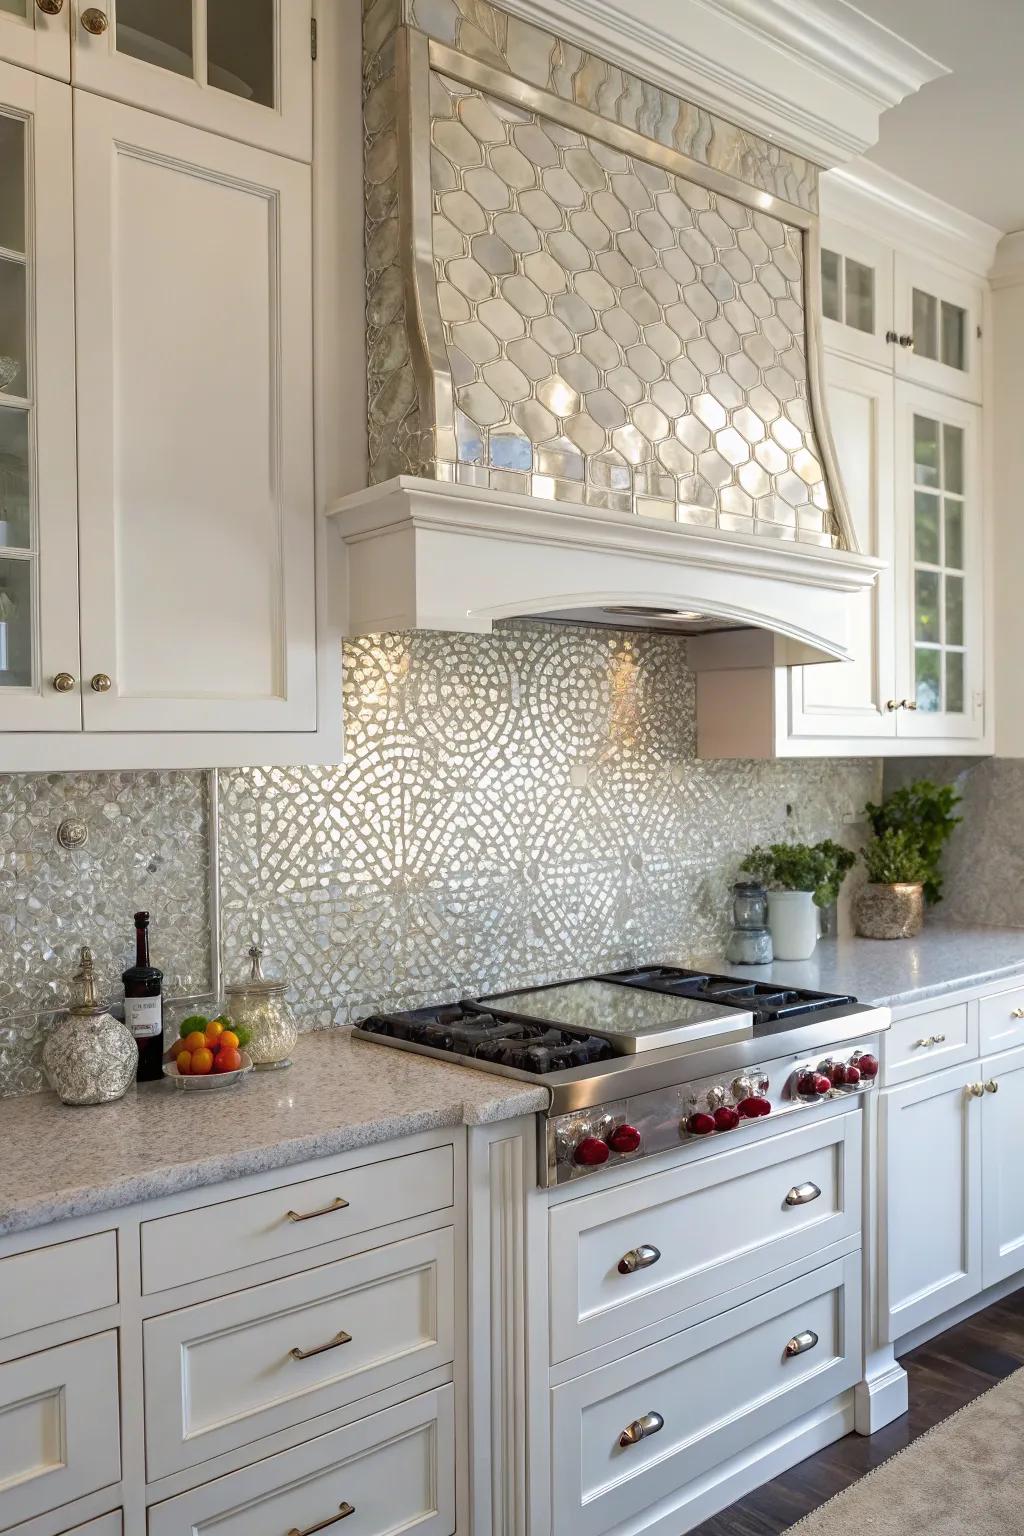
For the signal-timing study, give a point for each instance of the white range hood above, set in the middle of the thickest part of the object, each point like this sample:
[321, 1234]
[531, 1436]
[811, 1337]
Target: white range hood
[593, 352]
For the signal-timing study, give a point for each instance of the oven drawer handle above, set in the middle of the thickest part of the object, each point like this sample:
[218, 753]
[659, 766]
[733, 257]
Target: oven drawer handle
[640, 1429]
[800, 1343]
[639, 1258]
[927, 1040]
[344, 1510]
[325, 1210]
[321, 1349]
[803, 1194]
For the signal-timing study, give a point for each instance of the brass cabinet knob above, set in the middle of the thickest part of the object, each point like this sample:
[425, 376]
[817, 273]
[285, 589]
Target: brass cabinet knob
[975, 1090]
[64, 682]
[50, 7]
[892, 704]
[906, 341]
[1017, 1013]
[94, 21]
[991, 1086]
[101, 683]
[909, 704]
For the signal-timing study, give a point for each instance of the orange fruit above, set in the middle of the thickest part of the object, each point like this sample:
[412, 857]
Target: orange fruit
[214, 1030]
[227, 1059]
[202, 1062]
[195, 1041]
[184, 1062]
[228, 1041]
[177, 1048]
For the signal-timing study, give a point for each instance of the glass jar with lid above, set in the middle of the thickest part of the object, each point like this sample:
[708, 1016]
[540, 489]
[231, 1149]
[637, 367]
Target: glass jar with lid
[260, 1006]
[750, 942]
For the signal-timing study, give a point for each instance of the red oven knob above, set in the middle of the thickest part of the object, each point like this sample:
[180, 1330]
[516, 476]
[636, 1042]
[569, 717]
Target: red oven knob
[754, 1107]
[727, 1118]
[700, 1124]
[812, 1084]
[835, 1071]
[591, 1152]
[868, 1065]
[851, 1076]
[624, 1138]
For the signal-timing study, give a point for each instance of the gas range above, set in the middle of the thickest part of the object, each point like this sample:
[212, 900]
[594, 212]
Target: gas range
[644, 1060]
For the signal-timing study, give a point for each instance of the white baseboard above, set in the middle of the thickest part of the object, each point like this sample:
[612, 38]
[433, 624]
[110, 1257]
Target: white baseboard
[881, 1399]
[958, 1314]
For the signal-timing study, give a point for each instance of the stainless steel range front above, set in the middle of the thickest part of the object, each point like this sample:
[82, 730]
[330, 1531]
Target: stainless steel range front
[642, 1061]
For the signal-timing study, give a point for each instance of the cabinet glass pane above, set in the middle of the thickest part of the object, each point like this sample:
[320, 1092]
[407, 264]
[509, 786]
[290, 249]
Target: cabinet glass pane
[240, 48]
[15, 623]
[954, 336]
[158, 32]
[12, 184]
[926, 451]
[953, 461]
[928, 685]
[860, 296]
[954, 512]
[926, 606]
[926, 528]
[954, 610]
[831, 293]
[15, 506]
[13, 365]
[955, 682]
[15, 7]
[925, 324]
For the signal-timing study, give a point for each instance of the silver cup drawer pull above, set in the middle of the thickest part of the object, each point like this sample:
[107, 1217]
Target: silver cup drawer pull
[803, 1194]
[641, 1429]
[639, 1258]
[800, 1343]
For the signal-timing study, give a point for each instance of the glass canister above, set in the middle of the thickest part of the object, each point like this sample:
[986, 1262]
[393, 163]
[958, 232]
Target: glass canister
[260, 1005]
[90, 1057]
[750, 942]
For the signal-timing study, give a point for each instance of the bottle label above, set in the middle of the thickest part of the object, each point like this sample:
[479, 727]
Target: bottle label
[144, 1016]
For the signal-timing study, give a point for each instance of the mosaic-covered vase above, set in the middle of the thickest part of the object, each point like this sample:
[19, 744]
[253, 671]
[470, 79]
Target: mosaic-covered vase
[90, 1057]
[259, 1004]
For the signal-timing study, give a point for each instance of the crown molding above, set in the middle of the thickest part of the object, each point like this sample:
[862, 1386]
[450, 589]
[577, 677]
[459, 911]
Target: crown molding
[894, 211]
[1008, 267]
[814, 75]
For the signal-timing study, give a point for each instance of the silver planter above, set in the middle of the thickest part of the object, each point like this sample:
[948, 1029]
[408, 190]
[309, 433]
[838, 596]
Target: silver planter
[889, 911]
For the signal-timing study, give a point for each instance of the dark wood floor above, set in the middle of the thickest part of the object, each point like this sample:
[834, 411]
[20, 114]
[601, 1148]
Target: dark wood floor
[944, 1374]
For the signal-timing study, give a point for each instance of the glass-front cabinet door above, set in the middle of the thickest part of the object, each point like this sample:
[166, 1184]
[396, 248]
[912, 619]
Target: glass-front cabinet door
[856, 295]
[939, 612]
[37, 35]
[238, 67]
[39, 647]
[939, 323]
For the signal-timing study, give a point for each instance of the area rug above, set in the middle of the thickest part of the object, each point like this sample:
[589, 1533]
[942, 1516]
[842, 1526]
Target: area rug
[964, 1476]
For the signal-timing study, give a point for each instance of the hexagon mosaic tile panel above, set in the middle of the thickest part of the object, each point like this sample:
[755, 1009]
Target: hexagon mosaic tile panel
[616, 334]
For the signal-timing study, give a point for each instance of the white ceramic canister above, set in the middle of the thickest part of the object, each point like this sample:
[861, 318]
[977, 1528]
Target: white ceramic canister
[793, 920]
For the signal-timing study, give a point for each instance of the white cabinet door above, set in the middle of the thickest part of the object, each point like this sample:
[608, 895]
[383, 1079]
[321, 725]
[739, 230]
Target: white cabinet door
[1002, 1154]
[38, 527]
[196, 508]
[938, 319]
[238, 67]
[37, 35]
[843, 699]
[930, 1174]
[856, 295]
[940, 566]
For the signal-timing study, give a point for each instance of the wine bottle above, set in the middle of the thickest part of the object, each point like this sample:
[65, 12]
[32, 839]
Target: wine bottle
[144, 1004]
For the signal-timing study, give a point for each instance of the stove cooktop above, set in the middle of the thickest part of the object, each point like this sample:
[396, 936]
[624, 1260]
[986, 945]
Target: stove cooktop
[550, 1029]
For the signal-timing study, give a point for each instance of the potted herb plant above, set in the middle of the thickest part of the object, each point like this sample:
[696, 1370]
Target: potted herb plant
[799, 878]
[910, 828]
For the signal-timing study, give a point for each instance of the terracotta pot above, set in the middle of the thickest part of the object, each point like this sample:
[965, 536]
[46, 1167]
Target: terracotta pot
[889, 911]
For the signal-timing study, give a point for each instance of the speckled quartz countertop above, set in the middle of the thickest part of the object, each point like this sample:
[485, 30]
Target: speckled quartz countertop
[897, 972]
[341, 1093]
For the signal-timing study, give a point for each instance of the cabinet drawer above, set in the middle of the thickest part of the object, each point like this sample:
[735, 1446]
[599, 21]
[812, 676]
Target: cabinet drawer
[217, 1238]
[396, 1470]
[736, 1202]
[718, 1388]
[927, 1042]
[106, 1525]
[1002, 1021]
[59, 1427]
[47, 1285]
[223, 1373]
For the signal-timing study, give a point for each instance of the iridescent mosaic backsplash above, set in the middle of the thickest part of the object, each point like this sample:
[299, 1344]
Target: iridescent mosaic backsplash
[512, 808]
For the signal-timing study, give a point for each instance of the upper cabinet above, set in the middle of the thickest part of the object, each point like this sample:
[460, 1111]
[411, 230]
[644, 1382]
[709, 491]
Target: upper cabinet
[857, 296]
[36, 34]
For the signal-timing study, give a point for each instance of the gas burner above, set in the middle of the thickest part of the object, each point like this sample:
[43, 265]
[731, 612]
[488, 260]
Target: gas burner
[469, 1030]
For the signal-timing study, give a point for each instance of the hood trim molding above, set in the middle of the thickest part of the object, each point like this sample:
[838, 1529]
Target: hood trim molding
[417, 549]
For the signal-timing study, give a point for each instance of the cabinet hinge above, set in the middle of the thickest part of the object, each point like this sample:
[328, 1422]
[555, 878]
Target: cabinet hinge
[312, 37]
[979, 332]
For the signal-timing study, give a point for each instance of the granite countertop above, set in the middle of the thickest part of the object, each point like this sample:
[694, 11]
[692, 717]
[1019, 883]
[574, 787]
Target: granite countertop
[894, 973]
[341, 1093]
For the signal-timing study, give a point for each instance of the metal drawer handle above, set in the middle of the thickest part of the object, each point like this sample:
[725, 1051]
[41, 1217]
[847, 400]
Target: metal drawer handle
[931, 1040]
[325, 1210]
[1017, 1013]
[639, 1258]
[640, 1429]
[975, 1090]
[991, 1086]
[320, 1349]
[800, 1343]
[803, 1194]
[344, 1510]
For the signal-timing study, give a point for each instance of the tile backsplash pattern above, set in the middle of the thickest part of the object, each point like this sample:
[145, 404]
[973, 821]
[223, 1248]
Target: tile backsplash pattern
[512, 808]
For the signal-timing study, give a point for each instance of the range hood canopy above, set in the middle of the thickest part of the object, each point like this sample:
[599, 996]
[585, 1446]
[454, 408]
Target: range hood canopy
[593, 354]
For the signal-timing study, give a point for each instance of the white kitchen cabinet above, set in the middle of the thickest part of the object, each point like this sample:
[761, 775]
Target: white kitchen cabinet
[930, 1172]
[857, 295]
[1002, 1155]
[238, 69]
[938, 320]
[193, 279]
[36, 34]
